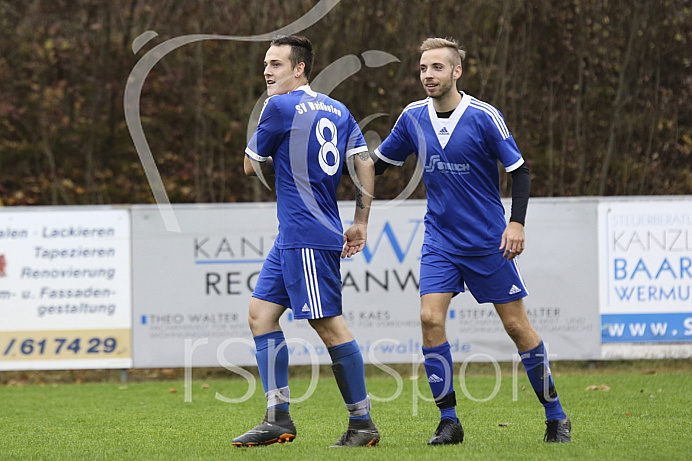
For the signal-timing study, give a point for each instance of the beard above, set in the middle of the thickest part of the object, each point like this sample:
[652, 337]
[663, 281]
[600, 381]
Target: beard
[443, 88]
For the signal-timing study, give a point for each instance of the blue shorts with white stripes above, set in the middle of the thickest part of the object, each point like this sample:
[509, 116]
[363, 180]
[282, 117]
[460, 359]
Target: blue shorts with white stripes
[490, 278]
[305, 280]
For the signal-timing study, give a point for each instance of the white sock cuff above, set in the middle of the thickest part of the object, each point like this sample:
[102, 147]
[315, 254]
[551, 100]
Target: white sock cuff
[278, 396]
[361, 408]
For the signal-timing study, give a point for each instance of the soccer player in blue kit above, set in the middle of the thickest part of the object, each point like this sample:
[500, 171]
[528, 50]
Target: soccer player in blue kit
[304, 136]
[459, 140]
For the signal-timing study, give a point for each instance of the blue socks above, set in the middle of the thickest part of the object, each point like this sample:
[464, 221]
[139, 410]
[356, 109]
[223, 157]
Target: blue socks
[347, 365]
[272, 362]
[440, 370]
[538, 370]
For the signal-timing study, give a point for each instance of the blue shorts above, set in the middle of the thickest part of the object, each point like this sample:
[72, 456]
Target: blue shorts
[305, 280]
[490, 278]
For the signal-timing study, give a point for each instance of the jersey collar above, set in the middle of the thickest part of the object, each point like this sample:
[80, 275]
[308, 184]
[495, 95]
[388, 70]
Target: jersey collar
[307, 90]
[445, 126]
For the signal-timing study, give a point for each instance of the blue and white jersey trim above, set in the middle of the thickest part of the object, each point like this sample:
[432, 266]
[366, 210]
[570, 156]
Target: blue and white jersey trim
[387, 159]
[264, 106]
[514, 166]
[356, 150]
[494, 115]
[254, 155]
[413, 105]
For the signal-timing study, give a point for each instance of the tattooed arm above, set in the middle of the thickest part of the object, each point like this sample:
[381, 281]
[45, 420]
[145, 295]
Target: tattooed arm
[356, 235]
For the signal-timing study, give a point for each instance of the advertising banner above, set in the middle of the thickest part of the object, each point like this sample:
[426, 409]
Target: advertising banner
[65, 292]
[192, 288]
[646, 271]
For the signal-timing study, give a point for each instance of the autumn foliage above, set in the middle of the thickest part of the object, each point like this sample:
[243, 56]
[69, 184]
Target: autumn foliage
[598, 94]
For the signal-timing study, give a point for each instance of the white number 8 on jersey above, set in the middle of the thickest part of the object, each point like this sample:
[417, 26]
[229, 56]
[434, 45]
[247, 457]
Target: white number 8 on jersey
[328, 147]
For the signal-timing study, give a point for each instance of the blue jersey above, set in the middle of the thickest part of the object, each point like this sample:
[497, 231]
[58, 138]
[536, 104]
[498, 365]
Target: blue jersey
[308, 135]
[459, 155]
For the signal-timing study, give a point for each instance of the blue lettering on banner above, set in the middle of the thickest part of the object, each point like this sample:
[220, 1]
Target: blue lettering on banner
[646, 328]
[652, 293]
[400, 251]
[680, 269]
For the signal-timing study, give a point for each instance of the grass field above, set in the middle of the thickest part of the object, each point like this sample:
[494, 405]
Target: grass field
[645, 414]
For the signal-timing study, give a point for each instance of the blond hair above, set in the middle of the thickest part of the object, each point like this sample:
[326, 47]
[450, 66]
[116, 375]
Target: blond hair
[456, 54]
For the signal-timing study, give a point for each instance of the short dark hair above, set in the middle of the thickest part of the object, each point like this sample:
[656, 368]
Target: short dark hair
[301, 50]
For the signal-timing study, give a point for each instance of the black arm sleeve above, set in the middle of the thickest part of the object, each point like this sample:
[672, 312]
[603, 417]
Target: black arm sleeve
[380, 166]
[521, 188]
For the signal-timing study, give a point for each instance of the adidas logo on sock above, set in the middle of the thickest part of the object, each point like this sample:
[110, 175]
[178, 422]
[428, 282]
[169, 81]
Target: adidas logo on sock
[306, 308]
[514, 290]
[443, 131]
[433, 378]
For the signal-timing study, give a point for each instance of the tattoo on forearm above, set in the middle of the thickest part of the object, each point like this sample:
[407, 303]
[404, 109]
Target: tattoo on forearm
[365, 155]
[359, 198]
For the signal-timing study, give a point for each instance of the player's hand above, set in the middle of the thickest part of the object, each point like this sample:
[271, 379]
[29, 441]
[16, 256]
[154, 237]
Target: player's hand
[512, 240]
[354, 239]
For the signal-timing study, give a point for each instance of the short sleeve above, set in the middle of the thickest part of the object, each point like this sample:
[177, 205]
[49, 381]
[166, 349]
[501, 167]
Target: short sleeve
[268, 135]
[397, 146]
[356, 142]
[509, 155]
[501, 142]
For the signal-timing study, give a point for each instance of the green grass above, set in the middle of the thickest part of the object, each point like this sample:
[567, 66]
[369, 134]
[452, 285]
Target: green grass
[644, 415]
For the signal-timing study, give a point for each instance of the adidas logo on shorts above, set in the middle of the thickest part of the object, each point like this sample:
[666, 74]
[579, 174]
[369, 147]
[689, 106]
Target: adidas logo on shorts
[305, 308]
[434, 379]
[514, 290]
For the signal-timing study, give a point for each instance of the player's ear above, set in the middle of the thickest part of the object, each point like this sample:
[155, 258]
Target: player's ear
[457, 72]
[300, 69]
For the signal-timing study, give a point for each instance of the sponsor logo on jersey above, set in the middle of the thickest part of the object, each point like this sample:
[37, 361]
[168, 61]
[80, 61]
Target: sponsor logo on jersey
[514, 290]
[443, 131]
[435, 163]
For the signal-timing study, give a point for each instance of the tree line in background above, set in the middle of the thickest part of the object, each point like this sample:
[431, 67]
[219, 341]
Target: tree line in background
[598, 94]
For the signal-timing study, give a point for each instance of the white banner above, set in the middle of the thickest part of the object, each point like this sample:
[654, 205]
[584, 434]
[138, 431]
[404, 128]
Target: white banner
[645, 253]
[192, 288]
[65, 293]
[69, 288]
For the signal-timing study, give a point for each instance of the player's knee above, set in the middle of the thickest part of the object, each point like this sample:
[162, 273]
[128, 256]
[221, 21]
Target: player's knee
[254, 322]
[430, 319]
[515, 330]
[260, 321]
